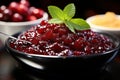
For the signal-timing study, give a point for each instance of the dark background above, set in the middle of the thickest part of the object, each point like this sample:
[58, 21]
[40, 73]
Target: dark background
[85, 8]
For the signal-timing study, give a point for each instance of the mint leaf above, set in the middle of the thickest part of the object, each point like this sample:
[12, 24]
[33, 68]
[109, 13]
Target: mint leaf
[70, 26]
[66, 16]
[55, 20]
[56, 12]
[69, 11]
[83, 25]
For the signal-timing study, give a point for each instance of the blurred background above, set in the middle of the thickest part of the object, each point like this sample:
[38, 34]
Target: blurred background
[85, 8]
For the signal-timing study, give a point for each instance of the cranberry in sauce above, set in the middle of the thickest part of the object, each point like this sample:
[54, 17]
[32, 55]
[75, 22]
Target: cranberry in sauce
[57, 39]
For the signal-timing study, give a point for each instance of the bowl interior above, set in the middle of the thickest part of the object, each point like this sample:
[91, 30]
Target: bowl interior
[98, 27]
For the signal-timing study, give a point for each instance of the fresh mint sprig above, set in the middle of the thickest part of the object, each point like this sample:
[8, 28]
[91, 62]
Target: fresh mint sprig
[65, 16]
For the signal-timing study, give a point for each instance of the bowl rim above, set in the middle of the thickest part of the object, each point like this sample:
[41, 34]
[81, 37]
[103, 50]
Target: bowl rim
[45, 17]
[117, 47]
[98, 27]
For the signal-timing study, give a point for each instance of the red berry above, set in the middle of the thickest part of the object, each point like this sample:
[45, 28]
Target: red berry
[25, 2]
[27, 12]
[17, 17]
[31, 18]
[1, 16]
[43, 23]
[7, 14]
[2, 8]
[22, 9]
[13, 6]
[37, 12]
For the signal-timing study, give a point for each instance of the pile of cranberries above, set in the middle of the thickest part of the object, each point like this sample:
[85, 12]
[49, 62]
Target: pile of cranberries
[58, 40]
[19, 12]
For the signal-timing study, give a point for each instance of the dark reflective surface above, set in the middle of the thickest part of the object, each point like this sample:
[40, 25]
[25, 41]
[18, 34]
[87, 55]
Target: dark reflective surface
[11, 70]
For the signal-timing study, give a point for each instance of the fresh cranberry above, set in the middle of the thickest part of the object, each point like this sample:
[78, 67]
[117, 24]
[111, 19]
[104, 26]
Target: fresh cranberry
[37, 12]
[2, 8]
[31, 8]
[1, 16]
[31, 18]
[13, 6]
[22, 9]
[25, 2]
[7, 14]
[28, 13]
[17, 17]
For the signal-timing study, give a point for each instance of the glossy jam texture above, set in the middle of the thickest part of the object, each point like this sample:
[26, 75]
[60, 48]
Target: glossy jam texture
[58, 40]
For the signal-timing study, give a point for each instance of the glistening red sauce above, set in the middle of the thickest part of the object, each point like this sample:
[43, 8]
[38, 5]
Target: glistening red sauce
[54, 39]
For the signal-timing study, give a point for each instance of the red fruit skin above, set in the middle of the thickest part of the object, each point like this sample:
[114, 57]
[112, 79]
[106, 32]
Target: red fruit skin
[7, 14]
[1, 17]
[31, 10]
[25, 2]
[17, 17]
[13, 6]
[31, 18]
[43, 23]
[27, 12]
[2, 8]
[22, 9]
[37, 12]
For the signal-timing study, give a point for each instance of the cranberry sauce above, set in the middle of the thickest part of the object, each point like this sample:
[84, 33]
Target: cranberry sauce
[58, 40]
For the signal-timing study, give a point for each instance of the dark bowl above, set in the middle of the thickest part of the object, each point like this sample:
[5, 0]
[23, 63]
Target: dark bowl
[65, 66]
